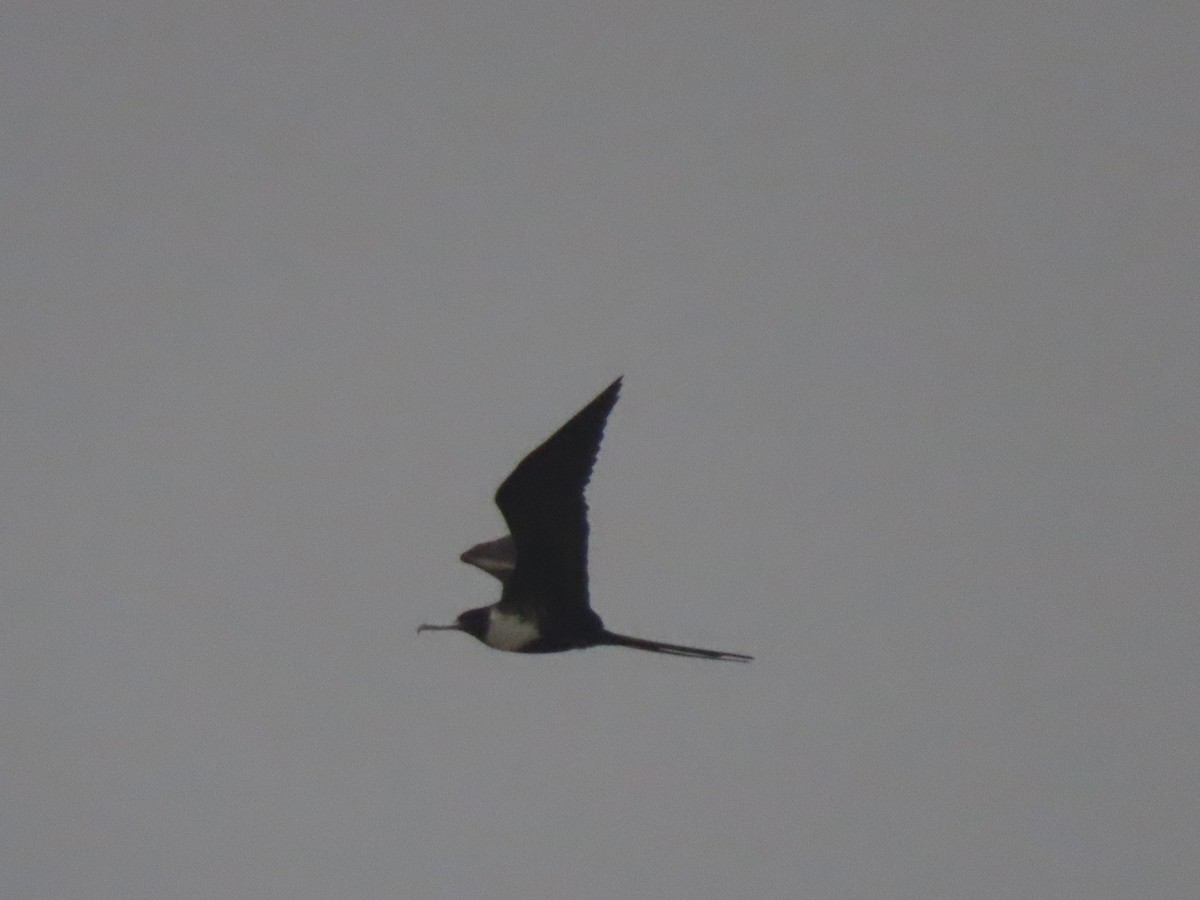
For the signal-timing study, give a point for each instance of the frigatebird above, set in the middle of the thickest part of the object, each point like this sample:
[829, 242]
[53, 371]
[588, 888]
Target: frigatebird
[542, 563]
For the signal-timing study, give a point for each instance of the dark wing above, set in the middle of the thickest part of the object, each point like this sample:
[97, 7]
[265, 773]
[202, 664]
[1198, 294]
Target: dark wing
[542, 502]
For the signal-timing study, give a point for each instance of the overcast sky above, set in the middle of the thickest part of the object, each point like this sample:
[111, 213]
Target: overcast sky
[907, 300]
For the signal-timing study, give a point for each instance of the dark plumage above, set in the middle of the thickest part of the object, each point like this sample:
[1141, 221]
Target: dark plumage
[544, 606]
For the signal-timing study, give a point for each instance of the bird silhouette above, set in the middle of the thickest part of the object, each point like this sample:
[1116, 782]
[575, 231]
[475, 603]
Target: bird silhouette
[542, 564]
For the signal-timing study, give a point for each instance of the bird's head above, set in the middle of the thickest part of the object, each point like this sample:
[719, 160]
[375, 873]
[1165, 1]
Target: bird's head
[474, 622]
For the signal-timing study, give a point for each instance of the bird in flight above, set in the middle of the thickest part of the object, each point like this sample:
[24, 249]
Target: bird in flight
[542, 563]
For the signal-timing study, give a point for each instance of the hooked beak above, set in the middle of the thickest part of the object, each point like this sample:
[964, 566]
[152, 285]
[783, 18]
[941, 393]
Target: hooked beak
[421, 628]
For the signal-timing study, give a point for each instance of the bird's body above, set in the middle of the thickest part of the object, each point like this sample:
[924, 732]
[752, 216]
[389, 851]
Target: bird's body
[542, 565]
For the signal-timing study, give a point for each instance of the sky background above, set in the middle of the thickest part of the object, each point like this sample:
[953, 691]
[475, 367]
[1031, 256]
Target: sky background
[906, 300]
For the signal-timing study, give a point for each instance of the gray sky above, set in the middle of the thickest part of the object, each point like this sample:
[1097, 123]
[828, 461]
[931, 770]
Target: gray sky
[905, 297]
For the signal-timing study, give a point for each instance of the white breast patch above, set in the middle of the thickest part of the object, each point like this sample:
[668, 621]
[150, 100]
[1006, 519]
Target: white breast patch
[509, 632]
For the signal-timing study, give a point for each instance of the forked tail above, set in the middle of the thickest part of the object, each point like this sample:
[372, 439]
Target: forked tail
[624, 640]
